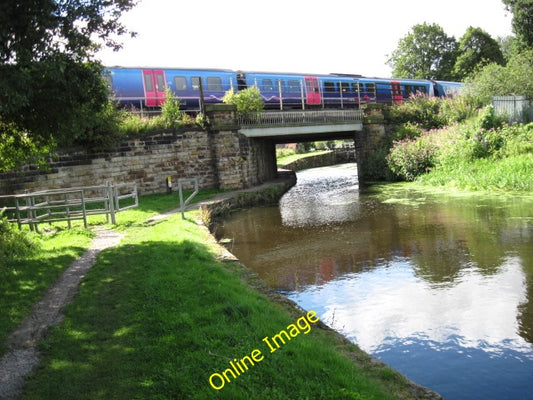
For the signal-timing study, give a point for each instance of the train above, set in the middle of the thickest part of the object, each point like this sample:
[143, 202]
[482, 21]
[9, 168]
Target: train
[145, 88]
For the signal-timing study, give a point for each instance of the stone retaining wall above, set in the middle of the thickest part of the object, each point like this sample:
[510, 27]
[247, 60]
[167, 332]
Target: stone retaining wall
[213, 211]
[221, 159]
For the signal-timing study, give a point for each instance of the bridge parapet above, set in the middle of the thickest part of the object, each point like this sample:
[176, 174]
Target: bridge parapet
[299, 118]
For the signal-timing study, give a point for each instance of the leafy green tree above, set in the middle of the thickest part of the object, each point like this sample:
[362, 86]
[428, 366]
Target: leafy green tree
[476, 49]
[522, 20]
[425, 53]
[51, 88]
[516, 78]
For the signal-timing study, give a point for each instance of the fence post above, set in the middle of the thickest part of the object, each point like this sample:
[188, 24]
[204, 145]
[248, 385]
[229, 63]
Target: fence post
[110, 195]
[83, 210]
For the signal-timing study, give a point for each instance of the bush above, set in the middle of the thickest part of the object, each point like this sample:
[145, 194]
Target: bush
[419, 110]
[410, 158]
[14, 243]
[516, 78]
[407, 131]
[247, 100]
[17, 148]
[170, 111]
[459, 108]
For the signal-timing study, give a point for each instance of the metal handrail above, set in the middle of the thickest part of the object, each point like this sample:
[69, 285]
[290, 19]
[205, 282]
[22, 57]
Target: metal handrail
[300, 117]
[70, 204]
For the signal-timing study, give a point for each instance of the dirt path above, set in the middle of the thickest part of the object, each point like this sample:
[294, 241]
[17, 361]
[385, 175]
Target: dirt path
[22, 355]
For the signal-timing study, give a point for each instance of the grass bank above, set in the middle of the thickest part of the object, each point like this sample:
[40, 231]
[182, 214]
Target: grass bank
[160, 314]
[290, 158]
[24, 281]
[481, 154]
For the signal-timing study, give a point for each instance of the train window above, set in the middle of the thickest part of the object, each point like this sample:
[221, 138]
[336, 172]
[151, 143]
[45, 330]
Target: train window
[195, 82]
[371, 87]
[180, 82]
[294, 87]
[330, 87]
[268, 85]
[161, 86]
[345, 87]
[214, 84]
[149, 86]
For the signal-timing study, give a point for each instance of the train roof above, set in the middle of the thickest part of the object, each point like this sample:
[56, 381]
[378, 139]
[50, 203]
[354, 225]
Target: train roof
[173, 69]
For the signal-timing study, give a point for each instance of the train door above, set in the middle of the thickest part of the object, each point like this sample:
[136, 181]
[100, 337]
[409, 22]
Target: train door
[396, 92]
[312, 90]
[154, 87]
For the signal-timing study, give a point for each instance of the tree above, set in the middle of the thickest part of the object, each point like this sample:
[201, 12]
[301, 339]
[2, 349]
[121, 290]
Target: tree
[31, 30]
[476, 49]
[516, 78]
[425, 53]
[522, 20]
[51, 88]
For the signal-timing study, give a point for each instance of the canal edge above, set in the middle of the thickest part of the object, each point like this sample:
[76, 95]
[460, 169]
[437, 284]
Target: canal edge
[213, 213]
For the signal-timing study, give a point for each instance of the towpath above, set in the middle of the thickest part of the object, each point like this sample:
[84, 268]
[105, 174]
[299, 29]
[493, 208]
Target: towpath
[22, 354]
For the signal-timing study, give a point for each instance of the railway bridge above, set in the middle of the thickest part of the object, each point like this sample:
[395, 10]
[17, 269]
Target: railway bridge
[260, 132]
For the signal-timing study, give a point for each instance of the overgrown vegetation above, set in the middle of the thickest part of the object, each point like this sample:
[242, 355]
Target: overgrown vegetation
[246, 101]
[171, 117]
[481, 153]
[516, 78]
[15, 243]
[459, 142]
[158, 314]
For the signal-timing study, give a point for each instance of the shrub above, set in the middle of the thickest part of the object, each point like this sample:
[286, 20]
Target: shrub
[170, 111]
[420, 110]
[17, 148]
[516, 78]
[407, 131]
[14, 243]
[459, 108]
[410, 158]
[247, 100]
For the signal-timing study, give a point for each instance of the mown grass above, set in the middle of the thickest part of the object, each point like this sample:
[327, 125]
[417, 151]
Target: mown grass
[158, 314]
[23, 281]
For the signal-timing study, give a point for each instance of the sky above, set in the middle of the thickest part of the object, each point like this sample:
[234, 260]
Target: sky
[304, 36]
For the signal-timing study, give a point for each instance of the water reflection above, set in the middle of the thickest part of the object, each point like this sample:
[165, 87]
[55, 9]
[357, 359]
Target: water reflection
[395, 305]
[438, 286]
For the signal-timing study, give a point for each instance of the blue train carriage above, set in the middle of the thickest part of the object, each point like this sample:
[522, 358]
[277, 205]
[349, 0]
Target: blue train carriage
[145, 87]
[185, 84]
[280, 91]
[448, 89]
[343, 91]
[395, 91]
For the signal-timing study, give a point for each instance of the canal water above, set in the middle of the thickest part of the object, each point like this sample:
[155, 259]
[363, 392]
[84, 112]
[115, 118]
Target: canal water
[439, 286]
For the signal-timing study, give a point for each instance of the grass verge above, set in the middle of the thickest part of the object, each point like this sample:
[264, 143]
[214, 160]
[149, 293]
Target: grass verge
[159, 314]
[24, 281]
[285, 160]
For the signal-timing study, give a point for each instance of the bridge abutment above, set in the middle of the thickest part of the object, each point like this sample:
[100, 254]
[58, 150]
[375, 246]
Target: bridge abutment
[372, 144]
